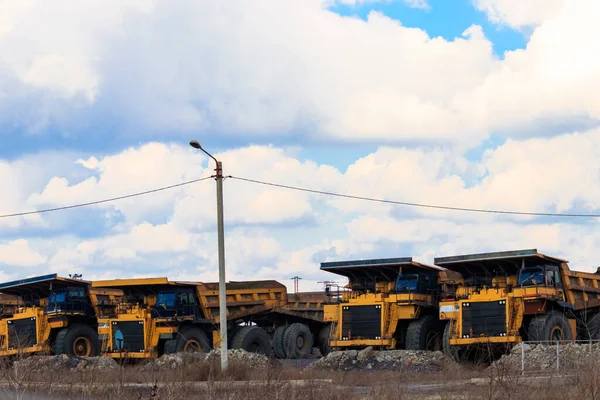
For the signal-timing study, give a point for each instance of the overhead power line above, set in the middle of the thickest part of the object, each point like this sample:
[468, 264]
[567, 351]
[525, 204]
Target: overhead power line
[105, 200]
[322, 192]
[404, 203]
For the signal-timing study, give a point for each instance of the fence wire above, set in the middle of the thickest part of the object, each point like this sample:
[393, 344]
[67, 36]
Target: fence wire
[557, 356]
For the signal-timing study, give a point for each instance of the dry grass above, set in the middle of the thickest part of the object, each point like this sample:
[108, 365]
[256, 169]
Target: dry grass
[204, 380]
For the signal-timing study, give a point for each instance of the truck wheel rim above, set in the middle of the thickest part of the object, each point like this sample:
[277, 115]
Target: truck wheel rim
[82, 346]
[192, 346]
[300, 342]
[254, 347]
[556, 334]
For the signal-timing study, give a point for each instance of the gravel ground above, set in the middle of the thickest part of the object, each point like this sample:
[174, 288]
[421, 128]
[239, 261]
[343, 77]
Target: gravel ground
[174, 361]
[45, 363]
[389, 360]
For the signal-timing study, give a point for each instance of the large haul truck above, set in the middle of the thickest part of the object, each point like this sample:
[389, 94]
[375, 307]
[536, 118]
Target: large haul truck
[162, 317]
[51, 314]
[503, 298]
[392, 303]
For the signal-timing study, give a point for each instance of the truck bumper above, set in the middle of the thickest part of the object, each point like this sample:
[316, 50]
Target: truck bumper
[360, 343]
[145, 354]
[485, 340]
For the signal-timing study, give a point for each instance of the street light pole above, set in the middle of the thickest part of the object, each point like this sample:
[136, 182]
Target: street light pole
[221, 243]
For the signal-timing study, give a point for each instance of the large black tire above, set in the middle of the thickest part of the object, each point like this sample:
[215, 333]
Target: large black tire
[424, 334]
[77, 340]
[450, 351]
[324, 340]
[590, 329]
[170, 346]
[252, 339]
[536, 328]
[191, 340]
[550, 327]
[278, 346]
[298, 341]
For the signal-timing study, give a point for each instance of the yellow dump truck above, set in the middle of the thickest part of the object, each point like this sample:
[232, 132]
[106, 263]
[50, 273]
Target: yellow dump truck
[503, 298]
[392, 303]
[51, 314]
[160, 316]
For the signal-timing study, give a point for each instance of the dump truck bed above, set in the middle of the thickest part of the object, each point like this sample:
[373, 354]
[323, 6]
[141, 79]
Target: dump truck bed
[582, 288]
[306, 305]
[243, 298]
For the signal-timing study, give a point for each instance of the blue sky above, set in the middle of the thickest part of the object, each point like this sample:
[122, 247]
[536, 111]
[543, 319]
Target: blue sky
[103, 104]
[448, 19]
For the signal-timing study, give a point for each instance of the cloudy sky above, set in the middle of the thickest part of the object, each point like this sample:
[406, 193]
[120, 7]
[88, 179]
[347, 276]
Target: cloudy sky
[490, 104]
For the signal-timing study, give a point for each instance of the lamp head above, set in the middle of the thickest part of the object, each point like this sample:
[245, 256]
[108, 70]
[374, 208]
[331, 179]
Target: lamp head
[195, 144]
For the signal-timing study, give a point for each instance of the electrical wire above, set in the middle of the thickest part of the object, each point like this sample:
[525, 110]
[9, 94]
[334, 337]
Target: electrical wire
[322, 192]
[105, 200]
[404, 203]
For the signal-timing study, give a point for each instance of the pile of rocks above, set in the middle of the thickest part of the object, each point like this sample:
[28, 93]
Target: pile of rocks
[249, 359]
[46, 363]
[540, 357]
[389, 360]
[173, 361]
[178, 360]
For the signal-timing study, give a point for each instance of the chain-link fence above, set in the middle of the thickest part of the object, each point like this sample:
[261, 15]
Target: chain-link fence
[555, 357]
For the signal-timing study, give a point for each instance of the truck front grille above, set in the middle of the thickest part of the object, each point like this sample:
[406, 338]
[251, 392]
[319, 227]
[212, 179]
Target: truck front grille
[361, 322]
[22, 333]
[128, 336]
[484, 318]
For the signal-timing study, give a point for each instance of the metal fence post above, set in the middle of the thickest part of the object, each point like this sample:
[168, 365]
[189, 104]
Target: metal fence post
[522, 358]
[557, 356]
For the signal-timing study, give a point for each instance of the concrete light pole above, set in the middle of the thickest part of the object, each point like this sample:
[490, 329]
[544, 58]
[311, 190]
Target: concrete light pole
[221, 240]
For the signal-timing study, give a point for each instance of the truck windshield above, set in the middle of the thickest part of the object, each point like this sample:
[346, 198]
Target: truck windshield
[166, 300]
[56, 301]
[531, 277]
[407, 283]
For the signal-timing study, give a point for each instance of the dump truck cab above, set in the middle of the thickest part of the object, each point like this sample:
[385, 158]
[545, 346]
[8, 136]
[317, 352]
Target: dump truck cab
[52, 314]
[391, 303]
[505, 297]
[159, 316]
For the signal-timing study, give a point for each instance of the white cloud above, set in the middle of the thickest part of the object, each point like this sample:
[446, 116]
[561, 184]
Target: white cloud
[64, 75]
[422, 4]
[518, 14]
[18, 253]
[276, 233]
[345, 79]
[256, 70]
[327, 81]
[23, 176]
[133, 170]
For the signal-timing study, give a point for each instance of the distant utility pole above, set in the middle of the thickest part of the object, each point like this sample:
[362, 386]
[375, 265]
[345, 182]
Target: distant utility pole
[296, 278]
